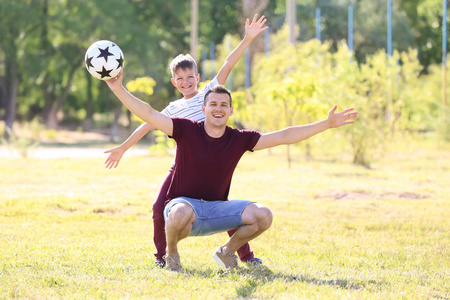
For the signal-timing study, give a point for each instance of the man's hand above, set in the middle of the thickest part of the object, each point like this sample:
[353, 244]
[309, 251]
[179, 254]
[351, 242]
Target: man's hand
[116, 82]
[113, 159]
[342, 118]
[256, 27]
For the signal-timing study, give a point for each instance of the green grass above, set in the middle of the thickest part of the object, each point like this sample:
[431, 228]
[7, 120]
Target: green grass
[70, 229]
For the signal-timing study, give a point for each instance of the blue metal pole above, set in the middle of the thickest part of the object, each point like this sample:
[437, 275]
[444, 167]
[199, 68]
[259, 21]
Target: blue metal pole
[204, 65]
[230, 77]
[389, 52]
[444, 59]
[247, 69]
[318, 24]
[444, 34]
[212, 58]
[350, 27]
[389, 29]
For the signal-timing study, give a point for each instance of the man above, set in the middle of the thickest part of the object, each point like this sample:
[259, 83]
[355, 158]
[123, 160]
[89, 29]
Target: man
[207, 154]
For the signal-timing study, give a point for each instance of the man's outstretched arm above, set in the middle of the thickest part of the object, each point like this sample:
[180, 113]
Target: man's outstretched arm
[294, 134]
[141, 109]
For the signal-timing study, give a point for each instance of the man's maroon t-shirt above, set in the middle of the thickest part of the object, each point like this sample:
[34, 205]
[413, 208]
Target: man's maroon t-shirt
[204, 165]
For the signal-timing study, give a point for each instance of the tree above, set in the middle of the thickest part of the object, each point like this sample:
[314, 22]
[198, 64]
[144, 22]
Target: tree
[17, 18]
[286, 87]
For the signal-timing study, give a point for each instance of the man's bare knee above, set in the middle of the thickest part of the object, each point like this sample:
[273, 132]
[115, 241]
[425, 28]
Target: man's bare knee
[256, 213]
[265, 217]
[180, 214]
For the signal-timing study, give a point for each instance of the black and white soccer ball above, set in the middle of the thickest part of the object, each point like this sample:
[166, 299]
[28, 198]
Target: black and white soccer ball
[104, 60]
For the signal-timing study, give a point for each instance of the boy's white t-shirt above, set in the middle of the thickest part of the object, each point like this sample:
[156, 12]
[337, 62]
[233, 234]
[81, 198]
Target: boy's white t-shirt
[190, 108]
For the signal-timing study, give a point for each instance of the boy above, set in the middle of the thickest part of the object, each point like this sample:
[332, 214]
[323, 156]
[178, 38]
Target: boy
[185, 78]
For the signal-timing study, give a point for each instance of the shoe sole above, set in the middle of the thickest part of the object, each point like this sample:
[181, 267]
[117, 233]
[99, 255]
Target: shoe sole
[218, 260]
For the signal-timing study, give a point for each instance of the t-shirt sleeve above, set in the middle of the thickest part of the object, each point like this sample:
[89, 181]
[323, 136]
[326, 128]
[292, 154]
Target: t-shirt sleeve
[165, 112]
[210, 85]
[251, 138]
[177, 129]
[180, 126]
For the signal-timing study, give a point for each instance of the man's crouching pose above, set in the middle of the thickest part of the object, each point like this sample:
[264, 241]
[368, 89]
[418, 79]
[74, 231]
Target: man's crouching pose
[196, 217]
[207, 155]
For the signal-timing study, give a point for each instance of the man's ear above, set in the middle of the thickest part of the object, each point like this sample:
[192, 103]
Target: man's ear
[231, 111]
[203, 109]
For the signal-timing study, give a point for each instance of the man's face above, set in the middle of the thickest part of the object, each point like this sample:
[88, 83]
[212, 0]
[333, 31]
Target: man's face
[217, 109]
[186, 82]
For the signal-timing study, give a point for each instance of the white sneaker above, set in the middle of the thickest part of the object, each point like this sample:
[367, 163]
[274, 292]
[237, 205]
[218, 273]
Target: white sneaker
[226, 261]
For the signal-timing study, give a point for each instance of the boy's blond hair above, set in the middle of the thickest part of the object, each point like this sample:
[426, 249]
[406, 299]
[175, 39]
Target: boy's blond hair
[183, 61]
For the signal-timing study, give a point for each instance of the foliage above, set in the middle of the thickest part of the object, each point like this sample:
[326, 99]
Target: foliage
[297, 85]
[426, 110]
[42, 46]
[142, 85]
[162, 144]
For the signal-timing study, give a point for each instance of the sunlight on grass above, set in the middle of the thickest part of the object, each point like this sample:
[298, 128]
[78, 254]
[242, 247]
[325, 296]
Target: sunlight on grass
[71, 229]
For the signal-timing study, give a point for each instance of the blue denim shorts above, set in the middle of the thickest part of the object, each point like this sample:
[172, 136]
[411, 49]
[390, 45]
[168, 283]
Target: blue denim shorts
[212, 216]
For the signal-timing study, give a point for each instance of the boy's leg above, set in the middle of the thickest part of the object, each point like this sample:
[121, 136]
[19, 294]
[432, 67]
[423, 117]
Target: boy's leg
[245, 253]
[159, 234]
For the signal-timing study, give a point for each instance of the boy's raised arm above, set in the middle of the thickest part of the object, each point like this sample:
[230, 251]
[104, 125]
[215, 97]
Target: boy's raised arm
[251, 31]
[140, 108]
[116, 153]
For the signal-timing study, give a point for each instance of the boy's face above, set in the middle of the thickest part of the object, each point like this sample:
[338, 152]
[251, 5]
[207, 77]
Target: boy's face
[186, 82]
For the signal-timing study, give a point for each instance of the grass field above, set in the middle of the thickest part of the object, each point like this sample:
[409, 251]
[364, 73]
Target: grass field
[70, 229]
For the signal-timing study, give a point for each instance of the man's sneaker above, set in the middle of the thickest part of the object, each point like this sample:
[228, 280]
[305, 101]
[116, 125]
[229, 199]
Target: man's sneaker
[225, 261]
[173, 263]
[254, 261]
[160, 263]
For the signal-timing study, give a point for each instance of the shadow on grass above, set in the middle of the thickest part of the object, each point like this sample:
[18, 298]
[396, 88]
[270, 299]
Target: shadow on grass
[252, 277]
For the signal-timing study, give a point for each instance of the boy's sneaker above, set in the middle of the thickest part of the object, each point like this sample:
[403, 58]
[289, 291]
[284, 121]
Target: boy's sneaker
[254, 261]
[225, 261]
[173, 263]
[160, 263]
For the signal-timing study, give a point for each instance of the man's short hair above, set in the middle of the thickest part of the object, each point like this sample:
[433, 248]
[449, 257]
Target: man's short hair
[218, 89]
[183, 61]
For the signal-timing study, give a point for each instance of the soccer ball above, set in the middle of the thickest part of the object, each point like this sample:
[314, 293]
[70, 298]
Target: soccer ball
[104, 60]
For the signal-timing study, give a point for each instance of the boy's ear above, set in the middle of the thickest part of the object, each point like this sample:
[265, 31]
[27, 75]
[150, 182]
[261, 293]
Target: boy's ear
[173, 82]
[198, 77]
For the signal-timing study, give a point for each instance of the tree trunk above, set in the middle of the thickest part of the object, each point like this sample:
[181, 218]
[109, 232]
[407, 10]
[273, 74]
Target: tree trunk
[252, 7]
[52, 118]
[89, 111]
[194, 28]
[289, 159]
[10, 92]
[115, 125]
[249, 9]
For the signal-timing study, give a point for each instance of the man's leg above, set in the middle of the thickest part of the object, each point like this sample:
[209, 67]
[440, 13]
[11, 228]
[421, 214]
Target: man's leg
[244, 253]
[178, 226]
[257, 218]
[159, 234]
